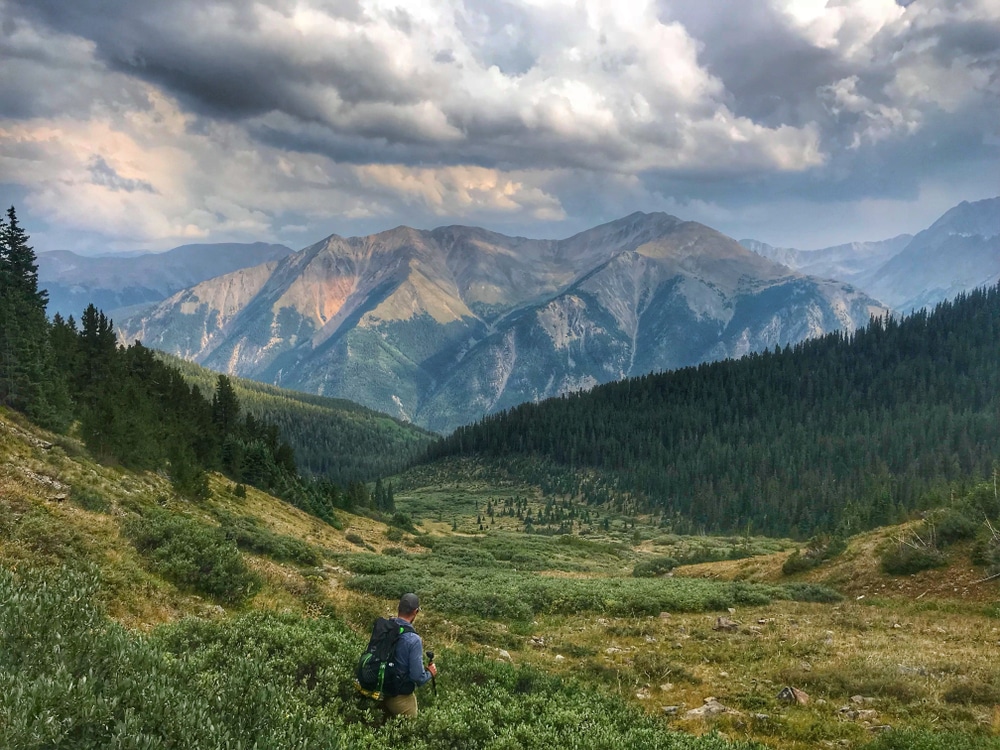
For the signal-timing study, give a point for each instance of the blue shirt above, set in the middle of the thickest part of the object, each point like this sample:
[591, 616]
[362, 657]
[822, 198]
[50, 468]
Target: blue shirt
[410, 657]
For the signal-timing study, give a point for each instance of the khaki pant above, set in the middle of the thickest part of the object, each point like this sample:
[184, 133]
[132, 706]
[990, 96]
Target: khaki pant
[401, 705]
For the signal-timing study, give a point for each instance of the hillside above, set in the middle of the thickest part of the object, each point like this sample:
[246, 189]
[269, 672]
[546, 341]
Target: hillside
[443, 326]
[840, 433]
[332, 438]
[106, 637]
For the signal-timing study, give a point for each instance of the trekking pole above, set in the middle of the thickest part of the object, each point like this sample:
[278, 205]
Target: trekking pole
[430, 660]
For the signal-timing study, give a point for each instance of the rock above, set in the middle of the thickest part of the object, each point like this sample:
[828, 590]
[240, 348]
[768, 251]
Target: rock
[537, 641]
[615, 650]
[866, 714]
[711, 708]
[59, 498]
[505, 655]
[643, 694]
[791, 694]
[724, 623]
[732, 611]
[650, 639]
[666, 686]
[860, 700]
[671, 710]
[879, 728]
[665, 616]
[560, 657]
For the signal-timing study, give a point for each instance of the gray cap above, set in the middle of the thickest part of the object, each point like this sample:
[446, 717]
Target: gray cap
[408, 603]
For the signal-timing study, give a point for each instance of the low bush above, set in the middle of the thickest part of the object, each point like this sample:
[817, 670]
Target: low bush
[954, 525]
[194, 555]
[975, 692]
[811, 592]
[818, 550]
[71, 678]
[904, 559]
[250, 536]
[90, 499]
[654, 567]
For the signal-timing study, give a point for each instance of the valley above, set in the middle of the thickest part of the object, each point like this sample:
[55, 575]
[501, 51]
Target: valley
[520, 623]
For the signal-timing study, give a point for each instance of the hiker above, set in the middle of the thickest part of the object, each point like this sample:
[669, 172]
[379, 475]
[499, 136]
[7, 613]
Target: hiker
[410, 674]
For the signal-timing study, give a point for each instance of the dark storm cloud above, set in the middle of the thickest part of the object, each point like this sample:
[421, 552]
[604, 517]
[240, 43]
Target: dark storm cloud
[219, 58]
[771, 73]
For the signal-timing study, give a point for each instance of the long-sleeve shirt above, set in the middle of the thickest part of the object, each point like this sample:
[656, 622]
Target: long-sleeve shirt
[410, 657]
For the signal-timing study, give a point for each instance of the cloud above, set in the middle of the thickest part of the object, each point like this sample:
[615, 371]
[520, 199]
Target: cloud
[247, 118]
[462, 190]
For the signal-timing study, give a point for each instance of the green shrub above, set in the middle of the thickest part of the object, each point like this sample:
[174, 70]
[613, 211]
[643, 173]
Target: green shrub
[974, 693]
[250, 536]
[819, 549]
[654, 567]
[402, 521]
[194, 555]
[798, 563]
[811, 592]
[71, 678]
[393, 534]
[90, 499]
[904, 559]
[954, 525]
[355, 538]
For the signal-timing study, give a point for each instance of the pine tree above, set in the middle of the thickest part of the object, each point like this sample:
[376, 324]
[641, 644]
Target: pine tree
[29, 379]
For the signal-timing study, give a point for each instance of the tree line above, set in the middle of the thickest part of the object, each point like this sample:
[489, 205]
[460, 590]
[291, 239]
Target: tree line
[133, 408]
[839, 433]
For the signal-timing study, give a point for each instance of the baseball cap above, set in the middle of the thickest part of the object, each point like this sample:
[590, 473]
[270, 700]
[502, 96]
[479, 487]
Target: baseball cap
[409, 603]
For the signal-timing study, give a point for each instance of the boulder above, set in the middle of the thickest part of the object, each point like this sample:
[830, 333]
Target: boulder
[791, 694]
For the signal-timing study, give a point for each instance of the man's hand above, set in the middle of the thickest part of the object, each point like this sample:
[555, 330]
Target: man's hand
[432, 668]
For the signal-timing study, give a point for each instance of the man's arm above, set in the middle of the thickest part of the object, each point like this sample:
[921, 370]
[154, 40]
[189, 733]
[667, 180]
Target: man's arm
[415, 659]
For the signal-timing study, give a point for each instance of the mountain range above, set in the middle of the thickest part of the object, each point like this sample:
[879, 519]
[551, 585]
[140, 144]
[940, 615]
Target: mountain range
[113, 282]
[957, 253]
[441, 327]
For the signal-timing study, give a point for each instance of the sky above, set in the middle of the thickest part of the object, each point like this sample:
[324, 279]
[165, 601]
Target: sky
[128, 125]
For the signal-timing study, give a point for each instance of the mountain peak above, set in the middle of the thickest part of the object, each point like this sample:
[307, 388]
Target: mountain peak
[980, 218]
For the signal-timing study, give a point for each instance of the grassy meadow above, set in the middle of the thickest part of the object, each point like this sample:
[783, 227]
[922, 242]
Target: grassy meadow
[130, 617]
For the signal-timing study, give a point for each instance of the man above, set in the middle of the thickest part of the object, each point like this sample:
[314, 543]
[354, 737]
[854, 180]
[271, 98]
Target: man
[409, 662]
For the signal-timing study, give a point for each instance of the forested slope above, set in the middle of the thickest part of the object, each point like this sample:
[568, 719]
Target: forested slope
[841, 432]
[336, 439]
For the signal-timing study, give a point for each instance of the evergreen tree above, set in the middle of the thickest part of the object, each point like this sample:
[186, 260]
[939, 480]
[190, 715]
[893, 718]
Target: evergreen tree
[29, 379]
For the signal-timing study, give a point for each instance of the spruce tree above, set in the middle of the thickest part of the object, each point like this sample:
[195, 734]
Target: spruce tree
[29, 379]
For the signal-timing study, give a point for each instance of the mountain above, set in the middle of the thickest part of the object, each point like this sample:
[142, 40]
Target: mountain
[441, 327]
[847, 262]
[112, 282]
[957, 253]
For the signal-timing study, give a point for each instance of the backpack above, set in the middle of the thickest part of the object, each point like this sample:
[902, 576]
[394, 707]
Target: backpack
[375, 675]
